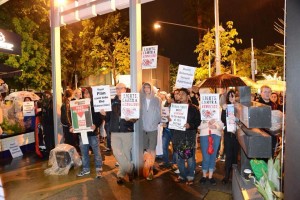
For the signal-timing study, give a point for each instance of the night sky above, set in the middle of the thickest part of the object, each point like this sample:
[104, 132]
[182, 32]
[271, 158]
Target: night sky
[252, 19]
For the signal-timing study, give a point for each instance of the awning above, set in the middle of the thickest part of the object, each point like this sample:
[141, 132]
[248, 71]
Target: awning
[7, 71]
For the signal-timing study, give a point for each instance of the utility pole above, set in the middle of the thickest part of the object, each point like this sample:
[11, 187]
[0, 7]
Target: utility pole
[253, 62]
[217, 38]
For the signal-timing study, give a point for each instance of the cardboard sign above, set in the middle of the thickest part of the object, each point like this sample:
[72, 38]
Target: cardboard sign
[230, 118]
[185, 77]
[165, 112]
[28, 108]
[101, 98]
[15, 150]
[209, 106]
[81, 115]
[130, 105]
[149, 57]
[178, 115]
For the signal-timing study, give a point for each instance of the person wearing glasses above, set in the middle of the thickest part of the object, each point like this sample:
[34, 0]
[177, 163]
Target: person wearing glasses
[121, 136]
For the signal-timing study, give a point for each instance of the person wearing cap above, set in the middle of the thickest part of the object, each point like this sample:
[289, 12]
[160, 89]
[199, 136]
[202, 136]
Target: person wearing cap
[151, 115]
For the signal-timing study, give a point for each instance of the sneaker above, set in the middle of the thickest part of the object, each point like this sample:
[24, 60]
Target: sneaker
[117, 164]
[177, 171]
[203, 180]
[212, 181]
[83, 173]
[120, 181]
[150, 176]
[190, 182]
[179, 180]
[222, 159]
[106, 150]
[99, 173]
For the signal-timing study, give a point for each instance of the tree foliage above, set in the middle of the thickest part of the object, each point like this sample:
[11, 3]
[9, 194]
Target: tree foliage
[206, 50]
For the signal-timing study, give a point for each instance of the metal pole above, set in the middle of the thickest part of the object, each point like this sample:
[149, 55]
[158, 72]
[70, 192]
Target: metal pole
[56, 68]
[136, 76]
[217, 38]
[175, 24]
[252, 61]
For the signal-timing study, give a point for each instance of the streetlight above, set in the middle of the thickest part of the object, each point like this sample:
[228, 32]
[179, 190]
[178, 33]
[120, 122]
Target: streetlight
[158, 26]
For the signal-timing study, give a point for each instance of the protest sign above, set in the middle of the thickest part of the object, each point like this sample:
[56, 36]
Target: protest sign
[149, 57]
[101, 98]
[178, 115]
[15, 150]
[28, 108]
[113, 92]
[185, 77]
[81, 115]
[230, 118]
[209, 106]
[130, 105]
[165, 112]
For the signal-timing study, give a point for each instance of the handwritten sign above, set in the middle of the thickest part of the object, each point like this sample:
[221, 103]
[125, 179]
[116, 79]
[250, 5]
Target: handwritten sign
[101, 98]
[15, 150]
[28, 108]
[209, 106]
[165, 112]
[130, 105]
[149, 57]
[185, 77]
[81, 115]
[178, 115]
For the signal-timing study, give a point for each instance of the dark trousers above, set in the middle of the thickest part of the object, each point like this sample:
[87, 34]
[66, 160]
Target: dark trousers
[231, 146]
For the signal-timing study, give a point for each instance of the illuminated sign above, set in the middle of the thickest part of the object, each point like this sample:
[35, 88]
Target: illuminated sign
[10, 42]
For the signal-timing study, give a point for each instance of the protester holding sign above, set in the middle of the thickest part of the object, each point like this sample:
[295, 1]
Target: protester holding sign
[151, 115]
[121, 136]
[93, 140]
[231, 143]
[210, 134]
[184, 140]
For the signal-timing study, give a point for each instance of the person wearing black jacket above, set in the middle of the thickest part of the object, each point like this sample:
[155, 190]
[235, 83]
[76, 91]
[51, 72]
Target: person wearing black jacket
[231, 144]
[121, 136]
[184, 142]
[93, 140]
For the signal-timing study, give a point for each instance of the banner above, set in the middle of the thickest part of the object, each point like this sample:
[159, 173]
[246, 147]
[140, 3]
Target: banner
[101, 98]
[149, 57]
[178, 115]
[81, 115]
[209, 106]
[130, 105]
[185, 77]
[28, 108]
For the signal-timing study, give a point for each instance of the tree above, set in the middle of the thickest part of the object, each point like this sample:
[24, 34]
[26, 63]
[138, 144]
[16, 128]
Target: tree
[228, 38]
[106, 47]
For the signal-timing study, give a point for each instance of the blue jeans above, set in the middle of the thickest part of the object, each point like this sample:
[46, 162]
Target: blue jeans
[209, 161]
[166, 138]
[94, 143]
[189, 171]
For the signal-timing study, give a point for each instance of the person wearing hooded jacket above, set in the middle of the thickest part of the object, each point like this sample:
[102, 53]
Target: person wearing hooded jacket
[151, 116]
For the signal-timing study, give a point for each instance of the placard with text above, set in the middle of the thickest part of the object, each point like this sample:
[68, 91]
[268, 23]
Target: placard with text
[178, 115]
[130, 105]
[101, 98]
[149, 57]
[81, 115]
[209, 106]
[28, 108]
[185, 77]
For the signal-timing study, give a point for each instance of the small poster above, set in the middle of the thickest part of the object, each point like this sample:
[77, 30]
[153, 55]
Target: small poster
[209, 106]
[149, 57]
[185, 77]
[130, 105]
[28, 108]
[230, 118]
[101, 98]
[178, 115]
[15, 150]
[165, 112]
[113, 92]
[81, 115]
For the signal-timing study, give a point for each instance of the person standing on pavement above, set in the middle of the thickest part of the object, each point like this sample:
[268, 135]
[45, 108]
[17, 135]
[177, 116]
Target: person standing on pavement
[93, 139]
[231, 144]
[121, 136]
[151, 115]
[185, 141]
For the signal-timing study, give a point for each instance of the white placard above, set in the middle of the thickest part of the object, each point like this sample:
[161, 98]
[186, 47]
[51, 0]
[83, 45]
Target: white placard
[209, 106]
[149, 57]
[165, 112]
[130, 105]
[28, 108]
[230, 118]
[178, 115]
[185, 77]
[84, 137]
[101, 98]
[15, 150]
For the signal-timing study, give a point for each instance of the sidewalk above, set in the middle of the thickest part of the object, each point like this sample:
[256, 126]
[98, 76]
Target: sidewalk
[23, 178]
